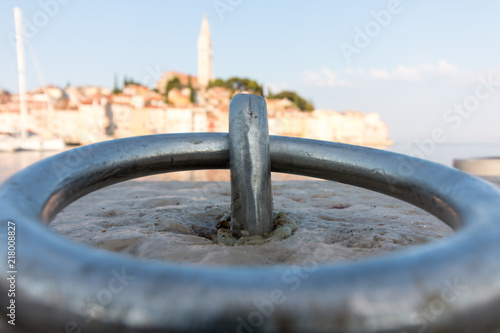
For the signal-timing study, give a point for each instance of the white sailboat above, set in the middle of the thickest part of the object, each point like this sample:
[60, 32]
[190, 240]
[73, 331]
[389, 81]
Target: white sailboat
[25, 140]
[8, 143]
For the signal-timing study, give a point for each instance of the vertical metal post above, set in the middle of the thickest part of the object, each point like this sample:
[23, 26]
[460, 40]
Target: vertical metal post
[250, 164]
[21, 68]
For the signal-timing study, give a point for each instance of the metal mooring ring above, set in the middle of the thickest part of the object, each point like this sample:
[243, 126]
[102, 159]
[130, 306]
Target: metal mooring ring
[449, 285]
[250, 164]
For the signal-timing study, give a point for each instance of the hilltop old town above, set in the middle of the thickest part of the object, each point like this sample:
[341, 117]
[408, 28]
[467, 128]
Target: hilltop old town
[179, 103]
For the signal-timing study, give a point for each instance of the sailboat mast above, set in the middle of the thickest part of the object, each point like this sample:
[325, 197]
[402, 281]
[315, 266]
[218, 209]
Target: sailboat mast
[21, 68]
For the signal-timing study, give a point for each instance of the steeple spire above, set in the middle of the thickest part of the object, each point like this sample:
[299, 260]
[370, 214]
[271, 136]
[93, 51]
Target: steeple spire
[205, 72]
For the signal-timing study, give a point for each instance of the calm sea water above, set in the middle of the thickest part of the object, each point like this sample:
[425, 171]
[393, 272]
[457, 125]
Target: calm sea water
[444, 154]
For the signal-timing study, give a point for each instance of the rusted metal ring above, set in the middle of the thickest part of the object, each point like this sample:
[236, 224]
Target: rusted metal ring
[62, 284]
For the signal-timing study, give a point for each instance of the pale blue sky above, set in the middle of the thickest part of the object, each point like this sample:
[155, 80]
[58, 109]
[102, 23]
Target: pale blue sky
[426, 57]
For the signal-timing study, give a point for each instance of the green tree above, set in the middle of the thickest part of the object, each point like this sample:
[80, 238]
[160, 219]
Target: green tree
[191, 90]
[171, 84]
[238, 84]
[127, 81]
[217, 83]
[292, 96]
[116, 90]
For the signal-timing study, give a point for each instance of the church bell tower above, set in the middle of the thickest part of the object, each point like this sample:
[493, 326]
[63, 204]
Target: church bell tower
[205, 72]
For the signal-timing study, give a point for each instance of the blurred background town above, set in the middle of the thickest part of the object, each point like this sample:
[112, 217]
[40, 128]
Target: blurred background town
[179, 103]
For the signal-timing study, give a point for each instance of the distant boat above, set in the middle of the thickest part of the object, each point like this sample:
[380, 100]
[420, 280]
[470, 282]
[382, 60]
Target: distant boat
[13, 143]
[25, 140]
[8, 143]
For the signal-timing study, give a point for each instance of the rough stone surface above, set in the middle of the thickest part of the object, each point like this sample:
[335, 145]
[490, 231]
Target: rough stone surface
[283, 227]
[176, 222]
